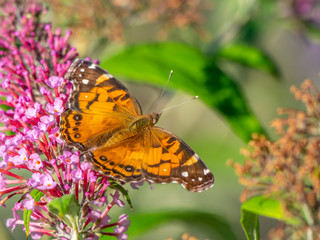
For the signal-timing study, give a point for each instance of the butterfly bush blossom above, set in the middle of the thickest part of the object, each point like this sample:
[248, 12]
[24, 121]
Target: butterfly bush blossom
[36, 165]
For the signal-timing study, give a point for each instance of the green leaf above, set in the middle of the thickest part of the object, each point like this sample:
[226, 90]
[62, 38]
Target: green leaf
[260, 205]
[264, 206]
[268, 207]
[250, 224]
[249, 56]
[222, 93]
[117, 186]
[36, 195]
[194, 73]
[213, 224]
[67, 208]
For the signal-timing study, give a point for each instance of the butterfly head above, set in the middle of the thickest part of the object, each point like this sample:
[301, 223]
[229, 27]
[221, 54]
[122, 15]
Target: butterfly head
[155, 117]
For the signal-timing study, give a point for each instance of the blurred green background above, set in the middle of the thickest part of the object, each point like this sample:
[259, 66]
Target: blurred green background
[286, 40]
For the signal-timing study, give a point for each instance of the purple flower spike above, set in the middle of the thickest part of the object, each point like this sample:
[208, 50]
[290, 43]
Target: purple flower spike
[34, 59]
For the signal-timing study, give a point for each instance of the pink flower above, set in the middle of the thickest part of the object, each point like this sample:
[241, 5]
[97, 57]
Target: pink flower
[54, 136]
[36, 235]
[93, 177]
[122, 227]
[46, 122]
[55, 81]
[35, 162]
[32, 134]
[34, 181]
[21, 158]
[76, 174]
[46, 182]
[116, 200]
[32, 112]
[86, 166]
[44, 91]
[12, 222]
[56, 108]
[28, 203]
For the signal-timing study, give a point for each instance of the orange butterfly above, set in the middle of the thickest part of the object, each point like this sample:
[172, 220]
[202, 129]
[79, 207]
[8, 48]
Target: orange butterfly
[106, 121]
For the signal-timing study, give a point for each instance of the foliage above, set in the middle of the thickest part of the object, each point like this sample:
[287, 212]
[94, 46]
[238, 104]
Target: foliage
[197, 74]
[284, 174]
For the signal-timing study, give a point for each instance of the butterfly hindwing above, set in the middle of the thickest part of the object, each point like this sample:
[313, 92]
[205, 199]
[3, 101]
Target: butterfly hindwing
[121, 161]
[159, 156]
[169, 159]
[96, 90]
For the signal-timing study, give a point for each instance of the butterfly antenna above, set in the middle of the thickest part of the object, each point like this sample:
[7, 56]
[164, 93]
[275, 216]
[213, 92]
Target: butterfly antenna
[155, 105]
[191, 99]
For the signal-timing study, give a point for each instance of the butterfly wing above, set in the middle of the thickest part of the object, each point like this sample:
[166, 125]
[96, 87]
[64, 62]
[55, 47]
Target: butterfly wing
[156, 155]
[99, 106]
[169, 159]
[97, 91]
[121, 161]
[86, 131]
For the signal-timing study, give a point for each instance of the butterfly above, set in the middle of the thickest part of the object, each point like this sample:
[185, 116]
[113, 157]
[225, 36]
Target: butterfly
[105, 122]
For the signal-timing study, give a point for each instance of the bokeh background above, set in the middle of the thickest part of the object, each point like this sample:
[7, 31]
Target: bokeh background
[285, 31]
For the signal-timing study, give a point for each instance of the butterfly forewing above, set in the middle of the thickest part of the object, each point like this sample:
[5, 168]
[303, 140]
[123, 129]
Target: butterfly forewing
[96, 90]
[86, 131]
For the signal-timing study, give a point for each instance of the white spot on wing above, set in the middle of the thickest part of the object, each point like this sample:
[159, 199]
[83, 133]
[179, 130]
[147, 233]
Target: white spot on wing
[185, 174]
[200, 179]
[82, 70]
[80, 75]
[196, 156]
[164, 170]
[85, 81]
[206, 171]
[109, 75]
[92, 66]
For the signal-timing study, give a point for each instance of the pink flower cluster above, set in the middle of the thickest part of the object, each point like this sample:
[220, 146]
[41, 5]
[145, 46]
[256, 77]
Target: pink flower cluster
[33, 94]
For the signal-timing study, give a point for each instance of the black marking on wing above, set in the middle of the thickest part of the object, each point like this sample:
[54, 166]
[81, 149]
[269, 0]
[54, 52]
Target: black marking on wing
[93, 100]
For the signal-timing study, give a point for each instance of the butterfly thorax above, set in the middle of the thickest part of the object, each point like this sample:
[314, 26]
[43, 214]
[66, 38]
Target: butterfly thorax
[138, 126]
[142, 122]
